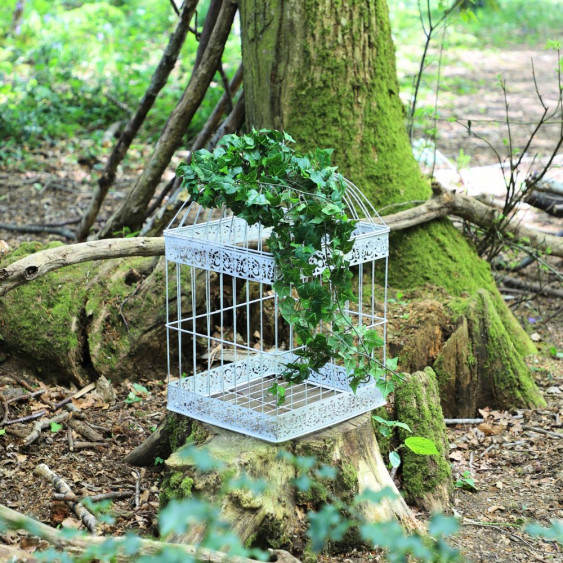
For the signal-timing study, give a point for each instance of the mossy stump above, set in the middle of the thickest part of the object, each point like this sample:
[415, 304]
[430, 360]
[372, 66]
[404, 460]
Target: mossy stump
[276, 518]
[481, 364]
[427, 479]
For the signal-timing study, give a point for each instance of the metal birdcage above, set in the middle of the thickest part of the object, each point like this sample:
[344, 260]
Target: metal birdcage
[227, 341]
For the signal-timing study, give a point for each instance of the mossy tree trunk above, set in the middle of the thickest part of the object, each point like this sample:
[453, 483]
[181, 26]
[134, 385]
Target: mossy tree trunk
[324, 71]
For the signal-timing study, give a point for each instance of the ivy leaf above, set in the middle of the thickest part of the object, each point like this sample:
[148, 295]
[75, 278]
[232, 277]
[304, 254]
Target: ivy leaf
[421, 446]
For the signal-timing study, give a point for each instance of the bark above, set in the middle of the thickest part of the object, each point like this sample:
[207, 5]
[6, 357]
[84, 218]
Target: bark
[158, 81]
[480, 364]
[79, 545]
[38, 264]
[213, 120]
[272, 518]
[132, 212]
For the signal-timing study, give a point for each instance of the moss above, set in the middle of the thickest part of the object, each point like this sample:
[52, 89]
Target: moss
[437, 254]
[508, 377]
[355, 101]
[177, 429]
[417, 406]
[41, 321]
[186, 487]
[170, 487]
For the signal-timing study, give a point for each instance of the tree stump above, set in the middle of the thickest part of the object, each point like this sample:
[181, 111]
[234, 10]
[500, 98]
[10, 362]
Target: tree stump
[427, 479]
[276, 517]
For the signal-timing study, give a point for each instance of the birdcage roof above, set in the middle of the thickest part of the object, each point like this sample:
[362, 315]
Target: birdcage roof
[216, 239]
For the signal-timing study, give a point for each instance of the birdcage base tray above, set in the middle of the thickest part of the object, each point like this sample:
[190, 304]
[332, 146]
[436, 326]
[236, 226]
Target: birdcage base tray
[250, 408]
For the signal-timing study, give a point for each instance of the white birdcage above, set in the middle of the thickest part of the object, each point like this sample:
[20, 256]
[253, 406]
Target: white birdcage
[227, 342]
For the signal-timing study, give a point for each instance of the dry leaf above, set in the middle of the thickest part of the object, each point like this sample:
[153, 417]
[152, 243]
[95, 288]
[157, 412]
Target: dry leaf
[490, 429]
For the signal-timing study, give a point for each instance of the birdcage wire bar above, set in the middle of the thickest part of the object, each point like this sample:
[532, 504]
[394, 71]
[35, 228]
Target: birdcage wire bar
[227, 342]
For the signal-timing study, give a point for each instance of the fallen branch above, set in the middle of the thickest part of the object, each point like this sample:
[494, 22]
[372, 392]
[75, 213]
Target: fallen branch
[530, 286]
[94, 498]
[481, 214]
[88, 519]
[79, 545]
[452, 421]
[542, 431]
[27, 418]
[41, 425]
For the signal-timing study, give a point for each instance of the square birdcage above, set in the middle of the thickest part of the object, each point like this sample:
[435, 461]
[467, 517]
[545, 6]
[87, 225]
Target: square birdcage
[228, 344]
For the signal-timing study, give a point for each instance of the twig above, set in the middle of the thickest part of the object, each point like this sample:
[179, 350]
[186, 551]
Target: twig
[491, 447]
[85, 430]
[65, 233]
[451, 421]
[94, 498]
[41, 425]
[6, 410]
[137, 476]
[26, 396]
[77, 395]
[27, 418]
[531, 286]
[69, 438]
[86, 445]
[87, 517]
[542, 431]
[22, 382]
[498, 528]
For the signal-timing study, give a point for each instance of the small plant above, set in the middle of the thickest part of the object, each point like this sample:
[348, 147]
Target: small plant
[55, 427]
[137, 394]
[158, 461]
[466, 482]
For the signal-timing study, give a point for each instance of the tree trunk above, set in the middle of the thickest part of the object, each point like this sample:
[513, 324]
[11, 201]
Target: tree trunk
[326, 74]
[274, 518]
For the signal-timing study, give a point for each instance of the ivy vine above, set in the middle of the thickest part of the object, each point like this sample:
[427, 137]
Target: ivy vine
[263, 180]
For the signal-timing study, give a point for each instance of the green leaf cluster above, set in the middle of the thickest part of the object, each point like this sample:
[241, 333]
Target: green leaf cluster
[301, 196]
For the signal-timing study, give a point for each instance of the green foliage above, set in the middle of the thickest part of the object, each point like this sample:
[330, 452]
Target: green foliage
[465, 482]
[421, 446]
[76, 67]
[55, 427]
[261, 179]
[137, 394]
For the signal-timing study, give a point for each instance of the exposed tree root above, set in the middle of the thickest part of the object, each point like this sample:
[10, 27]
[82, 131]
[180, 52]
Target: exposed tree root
[78, 545]
[481, 214]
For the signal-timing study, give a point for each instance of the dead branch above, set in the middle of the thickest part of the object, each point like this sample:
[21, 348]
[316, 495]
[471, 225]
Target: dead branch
[94, 498]
[27, 418]
[212, 122]
[158, 81]
[530, 287]
[468, 208]
[40, 263]
[79, 545]
[132, 211]
[85, 430]
[41, 425]
[542, 431]
[85, 515]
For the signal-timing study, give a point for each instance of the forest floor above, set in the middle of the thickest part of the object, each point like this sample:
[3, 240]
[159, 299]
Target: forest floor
[515, 459]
